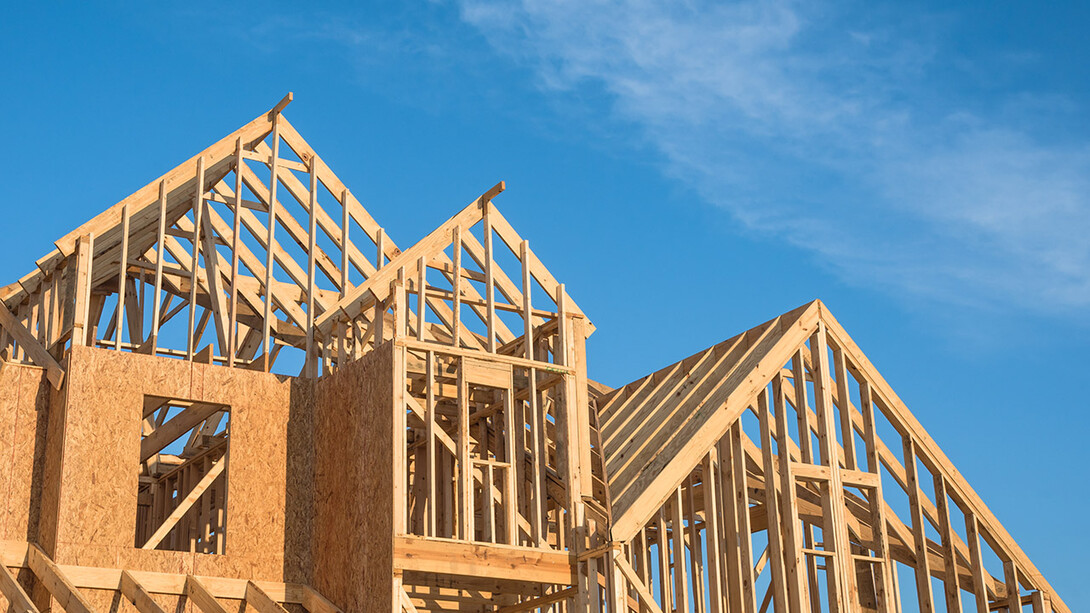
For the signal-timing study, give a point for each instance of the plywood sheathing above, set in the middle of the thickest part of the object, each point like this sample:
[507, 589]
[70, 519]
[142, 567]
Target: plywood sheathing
[96, 508]
[24, 410]
[354, 496]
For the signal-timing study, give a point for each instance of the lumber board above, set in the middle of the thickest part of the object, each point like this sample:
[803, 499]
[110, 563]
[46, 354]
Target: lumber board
[491, 560]
[937, 461]
[58, 584]
[688, 440]
[31, 346]
[18, 600]
[136, 594]
[258, 599]
[199, 595]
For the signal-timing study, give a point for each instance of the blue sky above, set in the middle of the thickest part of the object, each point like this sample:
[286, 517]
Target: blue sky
[688, 171]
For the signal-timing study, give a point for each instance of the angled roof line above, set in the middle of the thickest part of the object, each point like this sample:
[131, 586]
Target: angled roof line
[377, 287]
[669, 440]
[105, 227]
[760, 353]
[933, 457]
[253, 132]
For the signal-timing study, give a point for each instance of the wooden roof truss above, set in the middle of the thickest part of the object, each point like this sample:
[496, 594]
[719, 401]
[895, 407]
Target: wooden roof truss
[779, 458]
[254, 246]
[772, 453]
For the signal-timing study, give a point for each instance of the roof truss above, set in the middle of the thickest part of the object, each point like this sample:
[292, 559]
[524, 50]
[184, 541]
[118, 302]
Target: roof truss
[664, 434]
[255, 245]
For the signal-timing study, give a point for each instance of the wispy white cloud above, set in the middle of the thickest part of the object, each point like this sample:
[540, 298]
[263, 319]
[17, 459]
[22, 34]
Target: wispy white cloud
[827, 130]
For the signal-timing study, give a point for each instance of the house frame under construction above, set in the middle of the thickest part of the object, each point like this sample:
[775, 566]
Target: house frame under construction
[233, 388]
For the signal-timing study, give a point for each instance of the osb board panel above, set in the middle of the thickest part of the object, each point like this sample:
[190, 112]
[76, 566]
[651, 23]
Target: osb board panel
[268, 496]
[24, 411]
[50, 500]
[353, 543]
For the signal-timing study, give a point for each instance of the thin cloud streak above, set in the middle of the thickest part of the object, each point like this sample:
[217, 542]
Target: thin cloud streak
[827, 133]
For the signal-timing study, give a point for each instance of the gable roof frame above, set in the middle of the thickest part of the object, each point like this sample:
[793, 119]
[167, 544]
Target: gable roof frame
[773, 344]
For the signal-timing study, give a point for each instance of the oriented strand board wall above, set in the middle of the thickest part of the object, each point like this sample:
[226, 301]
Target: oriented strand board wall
[353, 544]
[269, 477]
[24, 411]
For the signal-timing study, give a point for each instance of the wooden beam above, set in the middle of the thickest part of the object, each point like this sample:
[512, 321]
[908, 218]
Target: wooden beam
[646, 598]
[186, 504]
[270, 241]
[81, 287]
[15, 554]
[18, 601]
[217, 292]
[310, 358]
[775, 538]
[55, 581]
[178, 425]
[314, 602]
[31, 346]
[108, 221]
[199, 595]
[283, 104]
[976, 563]
[377, 288]
[924, 595]
[407, 605]
[494, 561]
[159, 247]
[258, 599]
[540, 602]
[137, 595]
[232, 333]
[957, 485]
[198, 211]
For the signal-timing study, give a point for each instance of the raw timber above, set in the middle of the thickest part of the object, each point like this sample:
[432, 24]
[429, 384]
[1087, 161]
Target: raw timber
[233, 388]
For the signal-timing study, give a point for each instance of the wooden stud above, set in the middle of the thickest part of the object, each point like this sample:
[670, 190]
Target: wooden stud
[847, 432]
[923, 565]
[843, 595]
[778, 585]
[421, 297]
[346, 243]
[1014, 592]
[310, 357]
[122, 277]
[456, 330]
[465, 462]
[794, 559]
[710, 470]
[82, 290]
[741, 520]
[946, 534]
[489, 279]
[270, 244]
[887, 601]
[431, 462]
[236, 230]
[976, 563]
